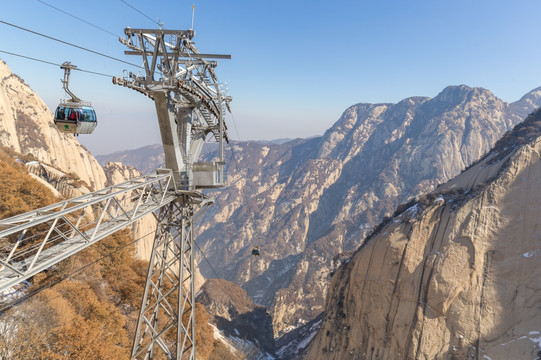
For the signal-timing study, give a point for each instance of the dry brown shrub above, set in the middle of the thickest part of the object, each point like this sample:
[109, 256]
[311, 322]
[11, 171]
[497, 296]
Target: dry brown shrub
[92, 314]
[19, 192]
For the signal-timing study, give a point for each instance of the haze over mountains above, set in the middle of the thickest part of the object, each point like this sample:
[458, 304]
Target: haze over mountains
[307, 200]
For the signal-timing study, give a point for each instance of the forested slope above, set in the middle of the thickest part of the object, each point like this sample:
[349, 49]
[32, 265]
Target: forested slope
[85, 307]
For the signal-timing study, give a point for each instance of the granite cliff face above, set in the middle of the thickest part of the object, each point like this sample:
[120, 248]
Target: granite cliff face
[26, 126]
[305, 201]
[453, 275]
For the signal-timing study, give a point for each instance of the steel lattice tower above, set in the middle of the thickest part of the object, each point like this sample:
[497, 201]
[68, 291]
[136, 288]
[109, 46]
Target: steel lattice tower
[168, 309]
[190, 108]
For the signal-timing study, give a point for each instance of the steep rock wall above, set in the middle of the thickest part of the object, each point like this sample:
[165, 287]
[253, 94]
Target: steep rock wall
[305, 201]
[26, 126]
[455, 276]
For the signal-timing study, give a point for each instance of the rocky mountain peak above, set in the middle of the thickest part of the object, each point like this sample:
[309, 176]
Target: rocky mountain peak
[462, 99]
[523, 106]
[532, 96]
[452, 274]
[459, 93]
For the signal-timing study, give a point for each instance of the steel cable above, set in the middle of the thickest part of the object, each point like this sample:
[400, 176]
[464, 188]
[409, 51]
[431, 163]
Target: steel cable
[52, 63]
[78, 18]
[140, 12]
[68, 43]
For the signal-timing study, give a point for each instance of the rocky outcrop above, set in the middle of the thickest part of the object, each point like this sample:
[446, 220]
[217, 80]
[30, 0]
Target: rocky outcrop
[26, 126]
[66, 185]
[453, 275]
[305, 201]
[117, 173]
[236, 315]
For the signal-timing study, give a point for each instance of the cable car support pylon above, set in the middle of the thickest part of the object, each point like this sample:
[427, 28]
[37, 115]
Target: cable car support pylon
[191, 108]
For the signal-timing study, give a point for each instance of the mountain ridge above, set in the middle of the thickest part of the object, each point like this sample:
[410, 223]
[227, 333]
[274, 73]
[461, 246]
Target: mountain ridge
[446, 276]
[306, 200]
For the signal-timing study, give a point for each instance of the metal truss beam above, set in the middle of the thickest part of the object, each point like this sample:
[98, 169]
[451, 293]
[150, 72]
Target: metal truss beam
[34, 241]
[189, 101]
[185, 54]
[190, 107]
[166, 323]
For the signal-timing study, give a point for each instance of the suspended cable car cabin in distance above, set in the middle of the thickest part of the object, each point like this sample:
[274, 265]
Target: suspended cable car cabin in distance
[74, 116]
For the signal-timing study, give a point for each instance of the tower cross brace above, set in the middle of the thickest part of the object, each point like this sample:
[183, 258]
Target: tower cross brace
[190, 107]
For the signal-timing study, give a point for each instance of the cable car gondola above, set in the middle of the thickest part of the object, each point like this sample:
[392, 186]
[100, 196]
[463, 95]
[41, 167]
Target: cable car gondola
[74, 116]
[255, 251]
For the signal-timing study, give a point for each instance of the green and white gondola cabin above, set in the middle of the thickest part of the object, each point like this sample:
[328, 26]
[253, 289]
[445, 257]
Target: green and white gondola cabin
[75, 118]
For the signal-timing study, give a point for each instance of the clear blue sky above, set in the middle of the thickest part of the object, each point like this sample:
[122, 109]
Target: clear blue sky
[296, 65]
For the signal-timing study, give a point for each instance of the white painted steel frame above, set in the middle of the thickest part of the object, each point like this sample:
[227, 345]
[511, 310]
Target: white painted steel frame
[34, 241]
[188, 99]
[168, 305]
[190, 106]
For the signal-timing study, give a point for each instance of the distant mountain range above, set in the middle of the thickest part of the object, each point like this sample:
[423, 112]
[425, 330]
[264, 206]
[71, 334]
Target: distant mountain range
[305, 201]
[148, 158]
